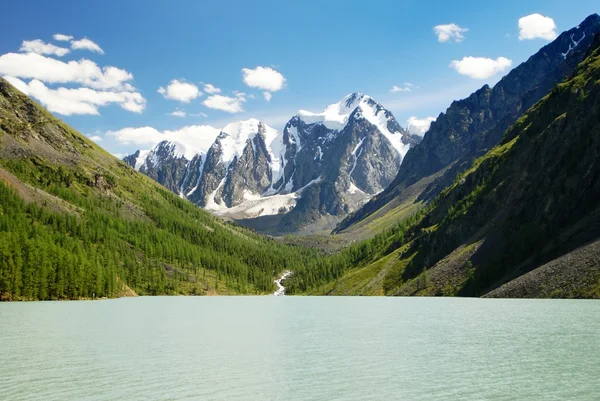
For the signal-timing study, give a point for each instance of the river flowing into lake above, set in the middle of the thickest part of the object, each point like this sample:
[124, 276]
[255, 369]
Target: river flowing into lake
[300, 348]
[280, 288]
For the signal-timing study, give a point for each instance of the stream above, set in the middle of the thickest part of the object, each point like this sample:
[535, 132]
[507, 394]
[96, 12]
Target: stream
[280, 288]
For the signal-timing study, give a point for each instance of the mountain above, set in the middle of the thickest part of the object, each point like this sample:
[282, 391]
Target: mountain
[470, 127]
[75, 222]
[321, 164]
[522, 221]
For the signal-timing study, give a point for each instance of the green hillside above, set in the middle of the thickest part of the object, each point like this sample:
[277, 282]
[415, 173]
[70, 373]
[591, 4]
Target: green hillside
[523, 221]
[75, 222]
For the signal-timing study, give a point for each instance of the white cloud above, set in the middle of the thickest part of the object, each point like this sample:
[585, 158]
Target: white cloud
[200, 114]
[480, 67]
[211, 89]
[537, 26]
[263, 78]
[50, 70]
[180, 90]
[178, 113]
[199, 137]
[40, 47]
[267, 96]
[86, 44]
[419, 126]
[226, 103]
[62, 38]
[96, 138]
[449, 32]
[68, 101]
[407, 87]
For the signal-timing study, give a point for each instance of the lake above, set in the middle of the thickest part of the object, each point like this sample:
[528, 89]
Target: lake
[300, 348]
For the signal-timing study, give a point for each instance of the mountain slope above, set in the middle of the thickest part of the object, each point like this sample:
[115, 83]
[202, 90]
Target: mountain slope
[473, 125]
[321, 164]
[75, 222]
[522, 221]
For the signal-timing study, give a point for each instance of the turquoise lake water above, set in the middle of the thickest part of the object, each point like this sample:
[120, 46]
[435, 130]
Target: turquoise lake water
[300, 348]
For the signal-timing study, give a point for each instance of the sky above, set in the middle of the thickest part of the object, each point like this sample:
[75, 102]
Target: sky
[130, 73]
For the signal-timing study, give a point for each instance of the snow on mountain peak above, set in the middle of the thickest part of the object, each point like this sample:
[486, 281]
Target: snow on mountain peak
[235, 136]
[335, 116]
[163, 150]
[242, 129]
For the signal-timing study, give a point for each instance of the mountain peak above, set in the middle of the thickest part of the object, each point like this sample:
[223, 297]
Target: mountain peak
[591, 19]
[242, 128]
[335, 116]
[353, 99]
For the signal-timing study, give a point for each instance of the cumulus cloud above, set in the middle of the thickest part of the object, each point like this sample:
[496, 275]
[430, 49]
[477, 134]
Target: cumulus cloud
[180, 90]
[200, 137]
[37, 75]
[480, 67]
[267, 96]
[537, 26]
[449, 32]
[265, 78]
[226, 103]
[40, 47]
[407, 87]
[211, 89]
[86, 44]
[96, 138]
[419, 126]
[62, 38]
[69, 101]
[50, 70]
[178, 113]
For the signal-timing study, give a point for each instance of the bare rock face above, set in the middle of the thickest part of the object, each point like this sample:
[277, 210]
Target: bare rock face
[320, 164]
[471, 126]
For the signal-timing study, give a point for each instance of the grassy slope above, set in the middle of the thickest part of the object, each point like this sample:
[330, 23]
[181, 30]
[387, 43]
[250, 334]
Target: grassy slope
[519, 209]
[62, 190]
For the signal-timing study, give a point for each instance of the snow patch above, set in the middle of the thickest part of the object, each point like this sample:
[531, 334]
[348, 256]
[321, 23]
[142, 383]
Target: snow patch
[255, 205]
[141, 159]
[210, 201]
[234, 138]
[295, 137]
[574, 43]
[379, 119]
[320, 155]
[353, 189]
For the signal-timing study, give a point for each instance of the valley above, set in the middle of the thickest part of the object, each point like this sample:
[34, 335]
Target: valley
[497, 198]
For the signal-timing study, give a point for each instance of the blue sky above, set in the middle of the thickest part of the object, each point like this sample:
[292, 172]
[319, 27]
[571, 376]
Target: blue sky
[313, 53]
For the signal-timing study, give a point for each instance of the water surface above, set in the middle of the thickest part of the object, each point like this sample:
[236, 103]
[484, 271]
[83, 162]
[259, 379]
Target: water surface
[300, 348]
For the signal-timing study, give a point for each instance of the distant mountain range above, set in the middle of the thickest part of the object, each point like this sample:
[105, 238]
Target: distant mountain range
[321, 164]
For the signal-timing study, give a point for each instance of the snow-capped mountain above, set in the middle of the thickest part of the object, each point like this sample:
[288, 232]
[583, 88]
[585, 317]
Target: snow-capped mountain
[321, 163]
